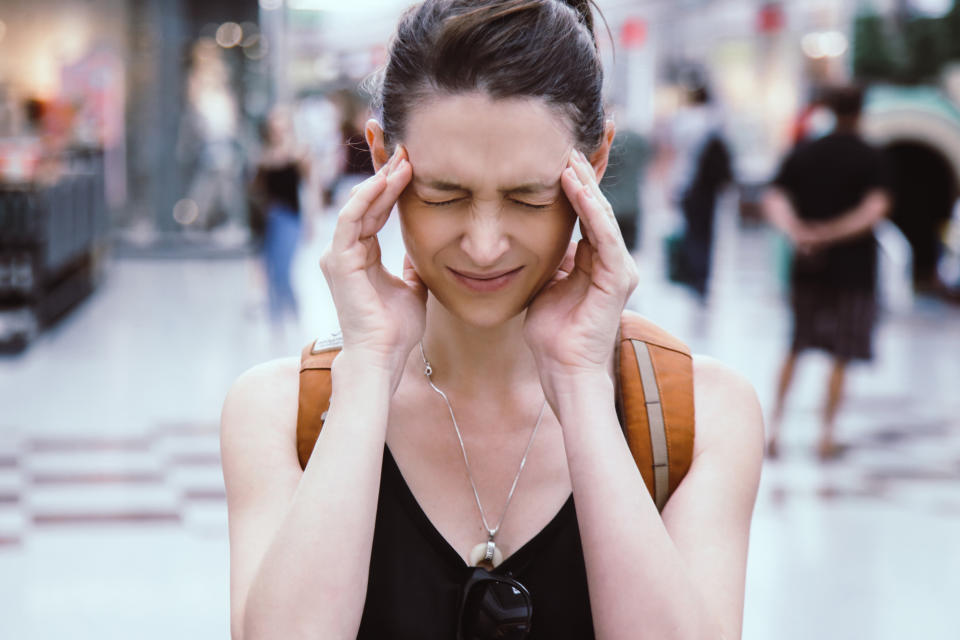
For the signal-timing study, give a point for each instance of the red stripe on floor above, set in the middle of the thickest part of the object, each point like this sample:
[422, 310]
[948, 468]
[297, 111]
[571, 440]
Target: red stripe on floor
[218, 495]
[196, 459]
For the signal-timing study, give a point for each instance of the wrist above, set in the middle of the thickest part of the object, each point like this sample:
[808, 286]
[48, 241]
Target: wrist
[573, 392]
[365, 370]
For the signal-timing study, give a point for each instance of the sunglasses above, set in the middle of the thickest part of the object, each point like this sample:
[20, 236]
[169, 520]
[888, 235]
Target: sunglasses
[494, 606]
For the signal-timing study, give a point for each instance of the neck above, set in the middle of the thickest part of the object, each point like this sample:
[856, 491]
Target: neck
[478, 361]
[847, 124]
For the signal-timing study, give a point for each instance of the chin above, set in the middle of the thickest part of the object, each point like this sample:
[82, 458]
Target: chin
[483, 314]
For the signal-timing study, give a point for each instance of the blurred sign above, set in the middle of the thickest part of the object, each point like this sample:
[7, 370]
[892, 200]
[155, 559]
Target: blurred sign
[633, 33]
[770, 18]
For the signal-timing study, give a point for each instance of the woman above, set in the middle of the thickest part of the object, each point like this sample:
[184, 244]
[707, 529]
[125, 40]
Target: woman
[281, 168]
[491, 141]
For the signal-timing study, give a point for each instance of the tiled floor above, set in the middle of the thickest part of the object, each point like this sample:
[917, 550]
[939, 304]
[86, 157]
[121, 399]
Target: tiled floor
[112, 523]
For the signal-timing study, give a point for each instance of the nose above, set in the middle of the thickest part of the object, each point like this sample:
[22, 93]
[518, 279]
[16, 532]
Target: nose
[485, 239]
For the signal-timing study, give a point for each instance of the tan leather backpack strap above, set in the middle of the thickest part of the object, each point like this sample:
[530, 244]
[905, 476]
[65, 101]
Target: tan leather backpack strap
[316, 386]
[656, 402]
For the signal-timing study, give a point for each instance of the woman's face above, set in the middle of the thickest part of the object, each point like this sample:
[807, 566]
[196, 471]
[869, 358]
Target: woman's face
[485, 199]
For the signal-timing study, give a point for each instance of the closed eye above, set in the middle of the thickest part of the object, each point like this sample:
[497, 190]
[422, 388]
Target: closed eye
[531, 206]
[443, 203]
[446, 203]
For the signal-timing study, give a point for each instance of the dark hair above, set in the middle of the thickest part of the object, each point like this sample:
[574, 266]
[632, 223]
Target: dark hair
[845, 101]
[504, 48]
[699, 94]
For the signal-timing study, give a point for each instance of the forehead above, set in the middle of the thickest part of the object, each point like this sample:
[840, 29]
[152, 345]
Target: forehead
[474, 140]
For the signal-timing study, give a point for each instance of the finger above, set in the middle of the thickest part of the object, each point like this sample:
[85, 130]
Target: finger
[584, 204]
[373, 254]
[566, 266]
[568, 263]
[586, 172]
[412, 278]
[574, 188]
[349, 220]
[583, 259]
[397, 169]
[599, 222]
[379, 212]
[362, 197]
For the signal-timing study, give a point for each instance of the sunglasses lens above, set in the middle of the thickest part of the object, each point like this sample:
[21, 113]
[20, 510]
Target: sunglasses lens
[494, 609]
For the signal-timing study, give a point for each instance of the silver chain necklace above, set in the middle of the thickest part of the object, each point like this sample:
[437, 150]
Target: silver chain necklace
[485, 553]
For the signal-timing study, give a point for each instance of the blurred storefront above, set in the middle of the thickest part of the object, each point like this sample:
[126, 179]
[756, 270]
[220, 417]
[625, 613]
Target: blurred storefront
[115, 115]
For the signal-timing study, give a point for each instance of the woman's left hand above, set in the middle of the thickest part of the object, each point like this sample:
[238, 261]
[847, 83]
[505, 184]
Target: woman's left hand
[571, 325]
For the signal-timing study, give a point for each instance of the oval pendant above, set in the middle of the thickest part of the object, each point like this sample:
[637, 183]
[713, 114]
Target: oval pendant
[486, 554]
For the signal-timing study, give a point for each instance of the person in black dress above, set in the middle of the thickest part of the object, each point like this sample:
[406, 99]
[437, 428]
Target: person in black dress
[827, 196]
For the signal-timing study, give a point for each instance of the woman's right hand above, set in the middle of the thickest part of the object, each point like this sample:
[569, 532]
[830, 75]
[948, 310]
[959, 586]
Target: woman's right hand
[381, 316]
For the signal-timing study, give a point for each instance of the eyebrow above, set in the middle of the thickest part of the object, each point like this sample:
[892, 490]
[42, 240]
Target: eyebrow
[520, 189]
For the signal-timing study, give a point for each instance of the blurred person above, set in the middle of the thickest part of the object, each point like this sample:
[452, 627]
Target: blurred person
[814, 120]
[621, 183]
[281, 168]
[827, 197]
[491, 157]
[209, 147]
[701, 168]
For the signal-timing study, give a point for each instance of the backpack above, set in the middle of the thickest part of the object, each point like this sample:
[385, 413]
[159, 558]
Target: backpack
[654, 401]
[714, 165]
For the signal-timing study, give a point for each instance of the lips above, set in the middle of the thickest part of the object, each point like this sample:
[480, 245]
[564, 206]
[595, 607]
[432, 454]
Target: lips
[485, 282]
[484, 276]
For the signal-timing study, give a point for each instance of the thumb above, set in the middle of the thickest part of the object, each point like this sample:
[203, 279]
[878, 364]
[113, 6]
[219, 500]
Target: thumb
[412, 278]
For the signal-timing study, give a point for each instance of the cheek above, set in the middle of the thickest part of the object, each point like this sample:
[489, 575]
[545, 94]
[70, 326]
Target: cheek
[556, 234]
[409, 230]
[423, 232]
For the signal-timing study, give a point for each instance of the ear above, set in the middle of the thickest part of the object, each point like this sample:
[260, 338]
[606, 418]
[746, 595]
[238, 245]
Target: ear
[601, 156]
[374, 135]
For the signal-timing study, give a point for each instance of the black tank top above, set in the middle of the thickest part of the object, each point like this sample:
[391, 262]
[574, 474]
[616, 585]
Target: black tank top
[416, 576]
[282, 185]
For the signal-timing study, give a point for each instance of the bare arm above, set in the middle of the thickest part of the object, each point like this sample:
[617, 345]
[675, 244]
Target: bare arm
[300, 542]
[681, 576]
[780, 213]
[855, 222]
[809, 236]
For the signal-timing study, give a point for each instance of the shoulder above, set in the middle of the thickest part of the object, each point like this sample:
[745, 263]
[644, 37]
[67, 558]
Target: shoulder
[728, 414]
[721, 484]
[261, 406]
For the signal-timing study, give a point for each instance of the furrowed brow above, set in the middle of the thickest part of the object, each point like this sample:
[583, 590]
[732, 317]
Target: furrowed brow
[521, 189]
[439, 185]
[530, 188]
